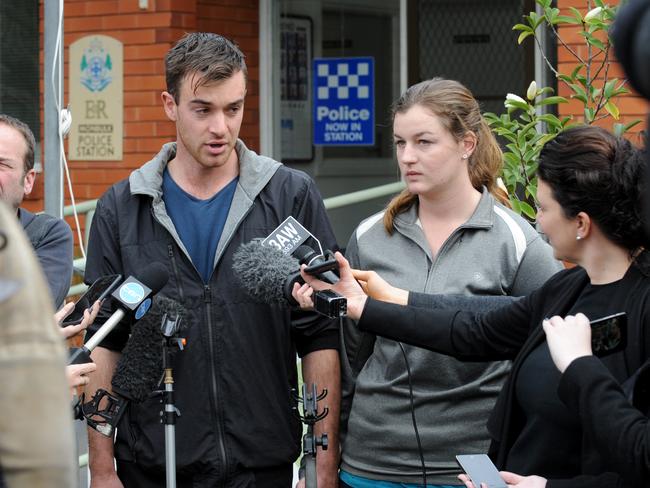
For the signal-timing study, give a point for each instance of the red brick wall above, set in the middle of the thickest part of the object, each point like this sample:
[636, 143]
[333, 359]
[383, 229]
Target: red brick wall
[631, 106]
[147, 35]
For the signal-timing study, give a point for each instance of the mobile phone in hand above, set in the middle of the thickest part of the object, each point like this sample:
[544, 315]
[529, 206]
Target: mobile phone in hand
[99, 290]
[609, 334]
[480, 469]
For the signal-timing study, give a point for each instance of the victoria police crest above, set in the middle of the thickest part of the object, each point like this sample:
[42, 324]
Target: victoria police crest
[96, 67]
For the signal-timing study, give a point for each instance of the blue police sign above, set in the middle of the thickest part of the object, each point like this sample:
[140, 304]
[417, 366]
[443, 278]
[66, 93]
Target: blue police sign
[344, 101]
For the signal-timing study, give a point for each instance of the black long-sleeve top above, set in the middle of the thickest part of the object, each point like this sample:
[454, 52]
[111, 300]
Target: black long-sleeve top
[512, 332]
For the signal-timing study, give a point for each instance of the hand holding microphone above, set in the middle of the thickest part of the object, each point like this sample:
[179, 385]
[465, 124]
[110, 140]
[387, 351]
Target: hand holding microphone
[347, 286]
[269, 275]
[133, 299]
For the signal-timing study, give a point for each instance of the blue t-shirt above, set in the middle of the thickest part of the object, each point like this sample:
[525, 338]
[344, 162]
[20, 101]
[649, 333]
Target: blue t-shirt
[199, 223]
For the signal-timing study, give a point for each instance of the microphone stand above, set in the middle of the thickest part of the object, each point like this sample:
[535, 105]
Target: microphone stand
[171, 342]
[310, 441]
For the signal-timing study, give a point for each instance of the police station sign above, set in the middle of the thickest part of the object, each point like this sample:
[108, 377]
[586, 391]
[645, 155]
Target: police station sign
[344, 101]
[96, 99]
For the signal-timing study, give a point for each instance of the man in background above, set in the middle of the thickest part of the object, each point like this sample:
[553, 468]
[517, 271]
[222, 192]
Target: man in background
[50, 237]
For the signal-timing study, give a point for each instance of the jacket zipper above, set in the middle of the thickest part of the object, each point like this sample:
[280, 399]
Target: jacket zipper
[172, 257]
[207, 298]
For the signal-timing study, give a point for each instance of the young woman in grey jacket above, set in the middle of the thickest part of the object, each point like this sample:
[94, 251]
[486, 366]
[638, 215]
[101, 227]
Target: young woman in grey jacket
[406, 411]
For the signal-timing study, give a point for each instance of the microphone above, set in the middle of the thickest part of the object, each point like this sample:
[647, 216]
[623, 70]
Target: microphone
[133, 298]
[140, 367]
[317, 265]
[138, 370]
[266, 273]
[268, 276]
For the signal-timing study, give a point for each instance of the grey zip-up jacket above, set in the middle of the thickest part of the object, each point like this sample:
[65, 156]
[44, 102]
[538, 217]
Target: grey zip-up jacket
[495, 252]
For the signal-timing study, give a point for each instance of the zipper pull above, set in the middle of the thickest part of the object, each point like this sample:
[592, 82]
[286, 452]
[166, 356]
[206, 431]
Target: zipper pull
[207, 297]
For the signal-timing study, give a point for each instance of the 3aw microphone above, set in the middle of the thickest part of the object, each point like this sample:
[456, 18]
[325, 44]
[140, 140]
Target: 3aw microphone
[133, 298]
[266, 273]
[268, 276]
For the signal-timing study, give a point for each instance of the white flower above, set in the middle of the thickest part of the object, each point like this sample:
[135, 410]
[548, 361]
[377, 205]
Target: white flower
[532, 91]
[594, 12]
[501, 185]
[511, 97]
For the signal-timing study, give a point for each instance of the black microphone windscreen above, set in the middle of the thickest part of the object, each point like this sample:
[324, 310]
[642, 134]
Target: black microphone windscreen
[140, 368]
[155, 276]
[263, 271]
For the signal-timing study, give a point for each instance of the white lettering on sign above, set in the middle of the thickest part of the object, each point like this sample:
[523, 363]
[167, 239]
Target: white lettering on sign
[342, 113]
[287, 236]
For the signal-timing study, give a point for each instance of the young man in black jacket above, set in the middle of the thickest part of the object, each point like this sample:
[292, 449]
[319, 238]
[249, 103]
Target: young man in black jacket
[190, 208]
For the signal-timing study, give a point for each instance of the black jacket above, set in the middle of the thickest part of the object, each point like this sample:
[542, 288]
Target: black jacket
[233, 380]
[614, 416]
[512, 332]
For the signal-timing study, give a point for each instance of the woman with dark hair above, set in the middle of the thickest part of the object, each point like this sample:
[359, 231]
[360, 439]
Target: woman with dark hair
[590, 191]
[448, 231]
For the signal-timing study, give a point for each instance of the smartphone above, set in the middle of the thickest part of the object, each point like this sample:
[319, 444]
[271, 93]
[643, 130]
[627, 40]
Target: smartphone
[480, 469]
[99, 290]
[609, 334]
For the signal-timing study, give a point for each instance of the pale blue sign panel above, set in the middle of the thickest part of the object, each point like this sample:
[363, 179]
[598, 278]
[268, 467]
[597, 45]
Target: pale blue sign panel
[344, 101]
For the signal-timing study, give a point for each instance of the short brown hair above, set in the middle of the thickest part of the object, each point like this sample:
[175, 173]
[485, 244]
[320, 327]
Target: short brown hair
[213, 56]
[28, 136]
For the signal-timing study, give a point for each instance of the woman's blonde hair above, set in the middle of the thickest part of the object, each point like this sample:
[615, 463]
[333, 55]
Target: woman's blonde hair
[459, 113]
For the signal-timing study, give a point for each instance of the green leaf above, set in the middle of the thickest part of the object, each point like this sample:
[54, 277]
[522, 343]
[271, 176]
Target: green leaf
[521, 140]
[608, 90]
[576, 70]
[551, 15]
[522, 27]
[515, 204]
[621, 90]
[565, 78]
[546, 138]
[516, 104]
[544, 3]
[612, 109]
[579, 93]
[552, 120]
[629, 125]
[531, 169]
[511, 159]
[576, 13]
[596, 43]
[531, 189]
[552, 100]
[527, 210]
[523, 36]
[565, 19]
[589, 115]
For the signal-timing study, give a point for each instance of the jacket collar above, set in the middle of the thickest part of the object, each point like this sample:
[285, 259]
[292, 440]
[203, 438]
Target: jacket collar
[254, 171]
[408, 222]
[483, 216]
